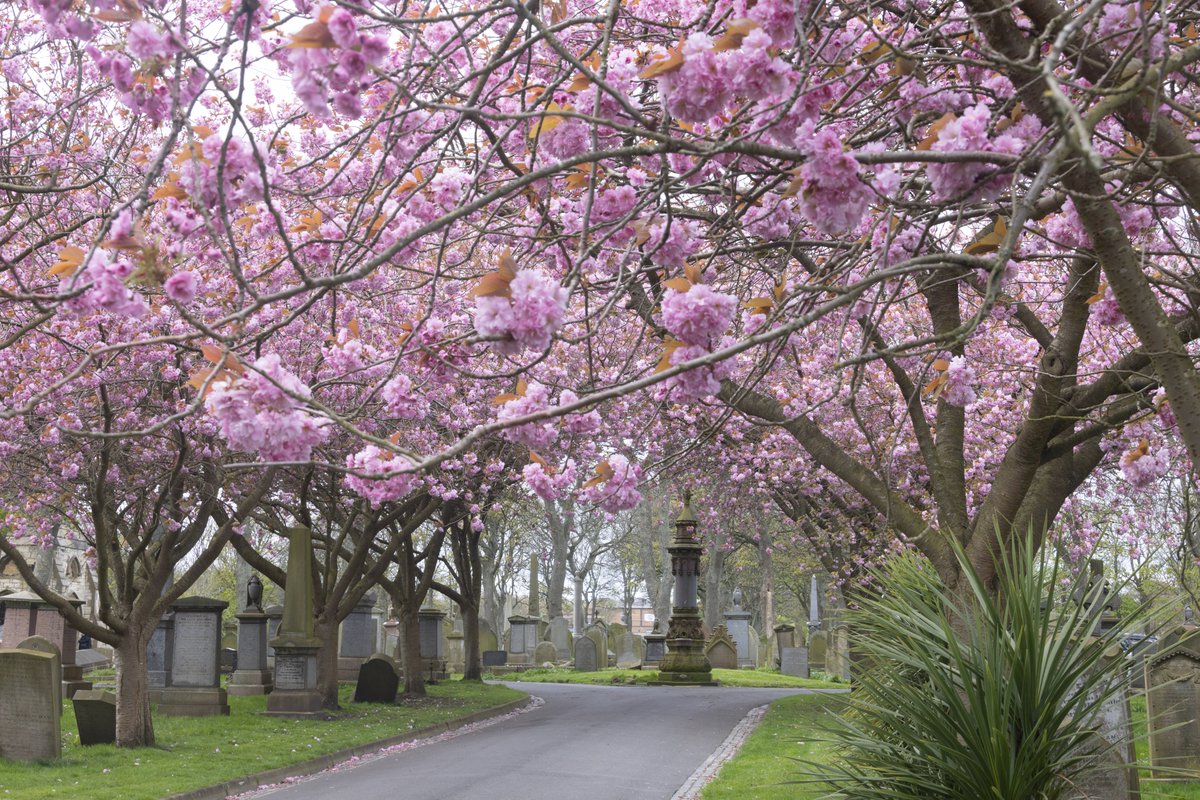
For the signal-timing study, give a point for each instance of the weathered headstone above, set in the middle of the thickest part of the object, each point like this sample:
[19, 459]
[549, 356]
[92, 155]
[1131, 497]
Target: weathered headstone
[599, 637]
[494, 658]
[586, 657]
[627, 655]
[274, 616]
[456, 651]
[432, 642]
[721, 650]
[43, 645]
[158, 656]
[95, 716]
[1113, 774]
[194, 689]
[357, 637]
[817, 645]
[29, 707]
[785, 636]
[28, 615]
[737, 622]
[296, 647]
[378, 680]
[1173, 706]
[545, 652]
[487, 637]
[560, 635]
[837, 656]
[656, 648]
[794, 661]
[252, 675]
[522, 639]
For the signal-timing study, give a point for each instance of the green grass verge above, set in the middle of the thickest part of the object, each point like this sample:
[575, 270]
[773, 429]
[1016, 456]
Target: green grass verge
[728, 677]
[195, 752]
[766, 767]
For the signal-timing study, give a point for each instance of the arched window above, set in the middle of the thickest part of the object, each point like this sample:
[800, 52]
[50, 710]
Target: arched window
[73, 569]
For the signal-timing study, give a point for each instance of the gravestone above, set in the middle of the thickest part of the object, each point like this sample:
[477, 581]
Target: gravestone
[721, 650]
[456, 651]
[656, 647]
[599, 637]
[614, 633]
[817, 646]
[378, 680]
[545, 652]
[752, 647]
[357, 637]
[432, 642]
[29, 711]
[785, 636]
[43, 645]
[26, 614]
[158, 656]
[737, 623]
[487, 637]
[252, 675]
[96, 716]
[627, 655]
[495, 658]
[586, 655]
[194, 689]
[522, 639]
[274, 616]
[560, 635]
[1173, 707]
[794, 661]
[391, 637]
[1113, 773]
[837, 656]
[295, 693]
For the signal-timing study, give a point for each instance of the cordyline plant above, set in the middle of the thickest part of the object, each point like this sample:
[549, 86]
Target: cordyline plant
[985, 692]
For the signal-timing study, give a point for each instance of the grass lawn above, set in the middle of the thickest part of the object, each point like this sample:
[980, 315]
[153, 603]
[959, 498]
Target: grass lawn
[728, 677]
[762, 768]
[768, 759]
[195, 752]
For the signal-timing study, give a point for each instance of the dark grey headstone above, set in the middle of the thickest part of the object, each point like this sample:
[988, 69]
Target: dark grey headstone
[495, 658]
[96, 716]
[229, 660]
[378, 680]
[586, 657]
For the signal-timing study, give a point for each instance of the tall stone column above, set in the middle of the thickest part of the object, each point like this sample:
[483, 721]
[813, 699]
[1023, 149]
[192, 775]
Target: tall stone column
[295, 645]
[685, 663]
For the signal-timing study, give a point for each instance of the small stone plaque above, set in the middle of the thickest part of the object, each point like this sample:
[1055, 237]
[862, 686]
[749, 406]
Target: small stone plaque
[96, 716]
[378, 680]
[495, 658]
[290, 672]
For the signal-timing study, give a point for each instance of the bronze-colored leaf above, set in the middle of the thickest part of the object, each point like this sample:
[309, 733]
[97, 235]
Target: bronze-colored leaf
[935, 129]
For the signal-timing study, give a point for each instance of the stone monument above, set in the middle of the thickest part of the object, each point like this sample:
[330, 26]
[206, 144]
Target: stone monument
[95, 716]
[432, 642]
[794, 661]
[560, 636]
[785, 636]
[194, 688]
[522, 639]
[296, 647]
[358, 637]
[26, 614]
[252, 675]
[586, 657]
[274, 617]
[41, 644]
[378, 680]
[158, 656]
[656, 646]
[685, 663]
[29, 707]
[1173, 705]
[721, 650]
[737, 622]
[544, 653]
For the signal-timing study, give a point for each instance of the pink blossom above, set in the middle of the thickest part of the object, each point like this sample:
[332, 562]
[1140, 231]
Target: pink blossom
[697, 383]
[587, 422]
[699, 90]
[386, 476]
[833, 197]
[960, 383]
[401, 399]
[1107, 311]
[343, 29]
[528, 318]
[181, 287]
[698, 316]
[1142, 469]
[620, 492]
[539, 481]
[534, 435]
[146, 41]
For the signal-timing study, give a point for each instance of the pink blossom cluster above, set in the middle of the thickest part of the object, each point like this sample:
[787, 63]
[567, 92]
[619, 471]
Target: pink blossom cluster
[697, 383]
[585, 423]
[528, 318]
[699, 316]
[264, 412]
[547, 483]
[340, 72]
[534, 435]
[182, 286]
[832, 196]
[106, 288]
[384, 476]
[1142, 469]
[620, 492]
[1107, 311]
[60, 19]
[402, 400]
[960, 383]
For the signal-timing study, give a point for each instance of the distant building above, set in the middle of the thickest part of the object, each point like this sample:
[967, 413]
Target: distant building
[643, 616]
[63, 566]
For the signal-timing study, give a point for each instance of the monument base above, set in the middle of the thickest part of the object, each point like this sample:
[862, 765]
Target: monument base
[684, 665]
[250, 681]
[295, 693]
[178, 701]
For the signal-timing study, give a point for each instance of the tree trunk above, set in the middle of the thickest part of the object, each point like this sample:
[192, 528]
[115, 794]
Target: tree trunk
[326, 630]
[580, 622]
[472, 665]
[410, 650]
[712, 587]
[556, 584]
[135, 727]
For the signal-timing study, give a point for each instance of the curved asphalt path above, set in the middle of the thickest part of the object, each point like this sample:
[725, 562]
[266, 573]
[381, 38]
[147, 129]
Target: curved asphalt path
[603, 742]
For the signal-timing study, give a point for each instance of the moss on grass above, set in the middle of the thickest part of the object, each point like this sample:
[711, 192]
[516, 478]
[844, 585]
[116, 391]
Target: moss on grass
[195, 752]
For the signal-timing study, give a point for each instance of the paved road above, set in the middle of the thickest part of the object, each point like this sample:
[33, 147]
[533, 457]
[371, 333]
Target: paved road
[601, 742]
